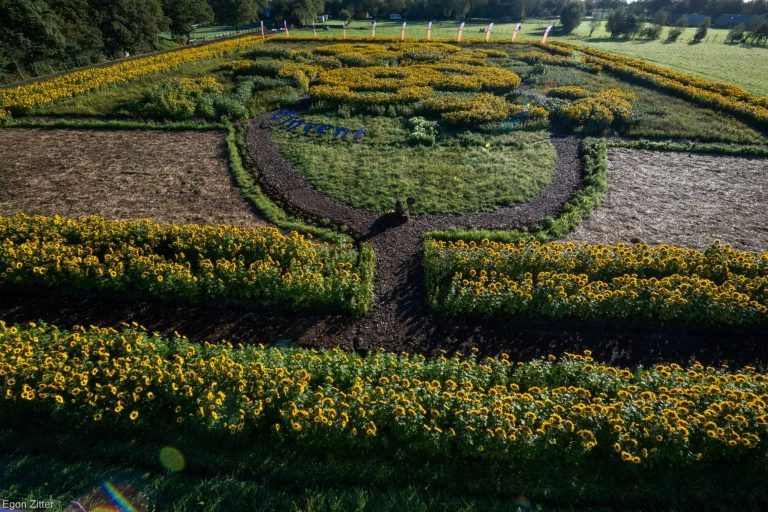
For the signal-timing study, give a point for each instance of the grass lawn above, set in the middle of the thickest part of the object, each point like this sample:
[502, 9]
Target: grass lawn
[44, 460]
[744, 66]
[459, 174]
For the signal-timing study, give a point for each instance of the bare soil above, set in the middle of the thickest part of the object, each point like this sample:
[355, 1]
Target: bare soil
[683, 199]
[170, 177]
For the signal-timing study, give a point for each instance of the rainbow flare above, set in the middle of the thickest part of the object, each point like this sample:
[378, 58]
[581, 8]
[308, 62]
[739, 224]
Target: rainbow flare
[122, 502]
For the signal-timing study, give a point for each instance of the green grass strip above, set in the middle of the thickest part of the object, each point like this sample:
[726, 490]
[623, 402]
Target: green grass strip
[595, 161]
[691, 147]
[111, 124]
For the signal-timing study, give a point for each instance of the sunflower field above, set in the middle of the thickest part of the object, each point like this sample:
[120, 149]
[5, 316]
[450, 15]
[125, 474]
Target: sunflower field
[493, 408]
[664, 283]
[259, 266]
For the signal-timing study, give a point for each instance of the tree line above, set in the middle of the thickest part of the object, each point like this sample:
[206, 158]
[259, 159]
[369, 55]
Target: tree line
[73, 33]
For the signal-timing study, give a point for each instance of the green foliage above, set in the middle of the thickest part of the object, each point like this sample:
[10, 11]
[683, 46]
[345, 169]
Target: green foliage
[571, 15]
[736, 34]
[490, 428]
[302, 12]
[701, 30]
[185, 13]
[594, 155]
[622, 23]
[422, 131]
[234, 12]
[692, 147]
[128, 25]
[29, 31]
[674, 34]
[717, 286]
[652, 32]
[455, 175]
[186, 98]
[181, 98]
[268, 209]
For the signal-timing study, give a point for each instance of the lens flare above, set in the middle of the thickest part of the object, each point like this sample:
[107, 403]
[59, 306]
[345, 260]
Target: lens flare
[123, 504]
[171, 459]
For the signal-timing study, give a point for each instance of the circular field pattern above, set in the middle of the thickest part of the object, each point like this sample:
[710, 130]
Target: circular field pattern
[470, 172]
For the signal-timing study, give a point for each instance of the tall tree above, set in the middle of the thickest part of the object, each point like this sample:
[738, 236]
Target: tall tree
[29, 31]
[182, 14]
[129, 25]
[234, 12]
[83, 41]
[301, 12]
[571, 16]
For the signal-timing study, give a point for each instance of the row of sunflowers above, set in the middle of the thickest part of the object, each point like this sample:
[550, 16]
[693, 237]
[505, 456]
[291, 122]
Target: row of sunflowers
[22, 98]
[259, 266]
[492, 408]
[727, 98]
[720, 285]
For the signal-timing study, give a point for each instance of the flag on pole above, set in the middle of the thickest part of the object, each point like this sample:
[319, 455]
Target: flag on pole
[285, 25]
[429, 31]
[517, 29]
[402, 32]
[488, 31]
[461, 31]
[373, 30]
[262, 30]
[546, 33]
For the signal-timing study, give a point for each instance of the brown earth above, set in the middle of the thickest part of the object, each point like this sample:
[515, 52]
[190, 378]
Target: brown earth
[682, 199]
[173, 177]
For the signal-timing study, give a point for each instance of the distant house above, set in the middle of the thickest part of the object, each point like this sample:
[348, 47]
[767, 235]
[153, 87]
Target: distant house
[731, 20]
[323, 18]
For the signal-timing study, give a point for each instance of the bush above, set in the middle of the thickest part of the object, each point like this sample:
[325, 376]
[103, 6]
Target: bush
[598, 111]
[736, 34]
[230, 107]
[422, 131]
[178, 98]
[571, 15]
[470, 110]
[652, 32]
[674, 34]
[701, 31]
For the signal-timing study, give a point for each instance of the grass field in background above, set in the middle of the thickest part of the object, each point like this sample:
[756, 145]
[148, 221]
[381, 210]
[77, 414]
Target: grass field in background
[741, 65]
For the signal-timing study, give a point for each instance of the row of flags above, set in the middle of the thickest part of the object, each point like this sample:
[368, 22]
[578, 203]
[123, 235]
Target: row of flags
[459, 35]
